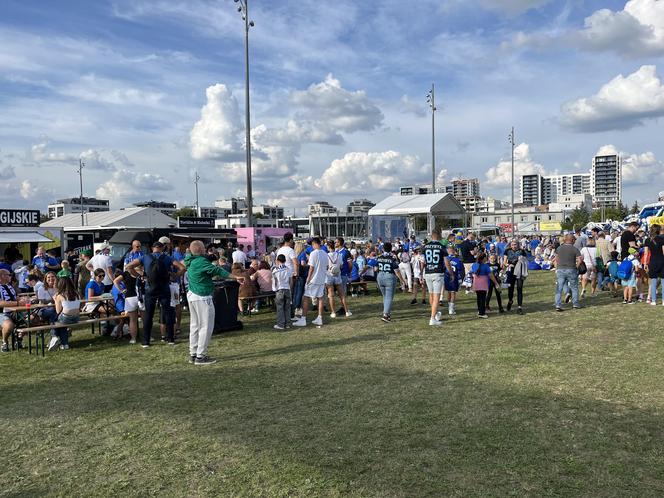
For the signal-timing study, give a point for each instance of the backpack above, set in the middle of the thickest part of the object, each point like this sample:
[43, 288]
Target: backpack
[159, 276]
[335, 265]
[613, 269]
[625, 269]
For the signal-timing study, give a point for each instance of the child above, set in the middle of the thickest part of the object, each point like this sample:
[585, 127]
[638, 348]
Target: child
[612, 279]
[495, 269]
[482, 275]
[453, 281]
[281, 277]
[418, 275]
[66, 271]
[629, 280]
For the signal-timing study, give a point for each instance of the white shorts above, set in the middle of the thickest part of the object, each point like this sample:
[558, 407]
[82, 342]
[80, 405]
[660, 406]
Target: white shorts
[131, 304]
[314, 290]
[435, 282]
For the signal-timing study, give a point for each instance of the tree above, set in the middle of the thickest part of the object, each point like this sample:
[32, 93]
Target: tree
[577, 219]
[635, 208]
[185, 212]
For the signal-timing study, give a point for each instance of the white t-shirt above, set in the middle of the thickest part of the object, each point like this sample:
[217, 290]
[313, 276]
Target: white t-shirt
[589, 254]
[44, 294]
[319, 261]
[417, 261]
[102, 261]
[289, 254]
[239, 257]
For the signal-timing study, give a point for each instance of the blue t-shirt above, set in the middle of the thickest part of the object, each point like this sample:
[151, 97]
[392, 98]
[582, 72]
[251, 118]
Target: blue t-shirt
[177, 255]
[533, 244]
[97, 288]
[355, 272]
[42, 262]
[344, 258]
[457, 268]
[131, 256]
[500, 248]
[480, 269]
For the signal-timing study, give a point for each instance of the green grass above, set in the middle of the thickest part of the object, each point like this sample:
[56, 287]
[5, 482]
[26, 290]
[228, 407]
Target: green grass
[541, 405]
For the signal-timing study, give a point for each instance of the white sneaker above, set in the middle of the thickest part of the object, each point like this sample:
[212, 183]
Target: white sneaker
[348, 313]
[653, 303]
[132, 341]
[439, 315]
[278, 327]
[333, 315]
[53, 344]
[296, 318]
[302, 322]
[435, 322]
[318, 321]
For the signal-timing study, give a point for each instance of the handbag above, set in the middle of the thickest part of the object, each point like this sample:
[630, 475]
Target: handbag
[582, 268]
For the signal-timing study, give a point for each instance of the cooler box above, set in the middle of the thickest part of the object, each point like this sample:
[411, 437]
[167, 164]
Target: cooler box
[225, 306]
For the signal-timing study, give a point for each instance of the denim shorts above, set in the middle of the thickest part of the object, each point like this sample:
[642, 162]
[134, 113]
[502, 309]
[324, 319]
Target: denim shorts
[333, 280]
[4, 317]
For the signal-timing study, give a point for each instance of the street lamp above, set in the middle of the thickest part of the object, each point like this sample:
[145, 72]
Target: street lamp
[510, 139]
[244, 10]
[81, 164]
[431, 99]
[198, 207]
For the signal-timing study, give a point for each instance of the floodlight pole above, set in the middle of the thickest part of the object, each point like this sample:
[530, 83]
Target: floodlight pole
[198, 207]
[431, 99]
[80, 197]
[244, 10]
[511, 140]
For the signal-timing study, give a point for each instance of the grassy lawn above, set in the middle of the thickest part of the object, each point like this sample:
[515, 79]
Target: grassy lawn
[546, 404]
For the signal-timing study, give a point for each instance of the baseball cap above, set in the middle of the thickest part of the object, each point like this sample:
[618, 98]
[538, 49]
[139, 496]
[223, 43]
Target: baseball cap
[87, 253]
[632, 250]
[164, 240]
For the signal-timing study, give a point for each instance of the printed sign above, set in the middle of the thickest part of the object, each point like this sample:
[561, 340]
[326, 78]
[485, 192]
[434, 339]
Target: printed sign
[19, 218]
[550, 226]
[185, 222]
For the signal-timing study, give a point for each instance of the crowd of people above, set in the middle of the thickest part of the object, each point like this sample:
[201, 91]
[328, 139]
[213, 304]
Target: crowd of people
[316, 275]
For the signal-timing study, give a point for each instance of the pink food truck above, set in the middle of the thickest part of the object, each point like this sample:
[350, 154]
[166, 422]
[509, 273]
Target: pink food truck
[260, 238]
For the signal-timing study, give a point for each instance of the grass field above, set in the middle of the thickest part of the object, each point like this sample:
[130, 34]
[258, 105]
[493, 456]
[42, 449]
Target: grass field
[546, 404]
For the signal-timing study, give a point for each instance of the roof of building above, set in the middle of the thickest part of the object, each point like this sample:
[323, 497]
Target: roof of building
[401, 205]
[137, 217]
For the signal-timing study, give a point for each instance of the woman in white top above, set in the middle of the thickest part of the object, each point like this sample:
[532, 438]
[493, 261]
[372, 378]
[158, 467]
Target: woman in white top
[589, 253]
[417, 261]
[67, 308]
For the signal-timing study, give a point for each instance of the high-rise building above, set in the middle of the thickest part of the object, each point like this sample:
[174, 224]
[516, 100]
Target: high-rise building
[359, 206]
[537, 189]
[321, 207]
[606, 181]
[73, 205]
[530, 187]
[468, 187]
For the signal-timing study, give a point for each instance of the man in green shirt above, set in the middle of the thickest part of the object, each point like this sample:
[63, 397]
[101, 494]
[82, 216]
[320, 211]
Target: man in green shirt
[201, 306]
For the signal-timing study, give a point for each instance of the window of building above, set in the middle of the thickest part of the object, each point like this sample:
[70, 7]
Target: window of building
[524, 218]
[538, 218]
[484, 219]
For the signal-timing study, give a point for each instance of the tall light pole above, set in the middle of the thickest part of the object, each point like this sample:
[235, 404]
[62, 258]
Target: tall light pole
[511, 141]
[198, 207]
[243, 8]
[80, 198]
[431, 99]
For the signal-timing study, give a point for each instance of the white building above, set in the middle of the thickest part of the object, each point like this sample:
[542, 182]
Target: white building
[168, 208]
[571, 202]
[606, 180]
[234, 205]
[490, 205]
[527, 220]
[359, 206]
[321, 207]
[537, 189]
[72, 205]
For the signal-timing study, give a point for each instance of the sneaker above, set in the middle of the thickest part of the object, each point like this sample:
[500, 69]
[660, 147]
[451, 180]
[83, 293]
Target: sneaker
[64, 347]
[5, 347]
[302, 322]
[204, 360]
[192, 359]
[145, 346]
[414, 301]
[632, 302]
[333, 315]
[318, 321]
[132, 341]
[171, 343]
[348, 313]
[53, 344]
[624, 301]
[386, 318]
[451, 311]
[577, 307]
[296, 318]
[483, 316]
[560, 310]
[279, 327]
[653, 303]
[163, 338]
[434, 322]
[438, 316]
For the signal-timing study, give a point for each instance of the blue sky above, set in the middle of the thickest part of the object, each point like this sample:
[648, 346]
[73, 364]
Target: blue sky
[146, 92]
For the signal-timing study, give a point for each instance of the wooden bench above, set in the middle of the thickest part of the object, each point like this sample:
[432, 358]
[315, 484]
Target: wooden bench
[41, 329]
[353, 286]
[265, 295]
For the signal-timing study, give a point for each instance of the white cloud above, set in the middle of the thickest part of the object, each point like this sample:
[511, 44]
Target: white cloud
[39, 153]
[126, 186]
[501, 174]
[369, 172]
[302, 132]
[95, 89]
[93, 159]
[637, 169]
[215, 135]
[637, 30]
[34, 193]
[622, 103]
[327, 102]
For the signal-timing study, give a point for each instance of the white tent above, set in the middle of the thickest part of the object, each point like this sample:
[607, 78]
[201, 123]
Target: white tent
[138, 217]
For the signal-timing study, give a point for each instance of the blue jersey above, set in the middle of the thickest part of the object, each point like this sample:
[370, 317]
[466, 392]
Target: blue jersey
[457, 269]
[344, 259]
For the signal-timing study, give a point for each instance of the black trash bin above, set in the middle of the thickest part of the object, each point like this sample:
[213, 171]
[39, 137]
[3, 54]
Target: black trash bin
[225, 306]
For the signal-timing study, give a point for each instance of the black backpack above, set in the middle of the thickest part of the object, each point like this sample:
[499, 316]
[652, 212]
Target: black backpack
[159, 273]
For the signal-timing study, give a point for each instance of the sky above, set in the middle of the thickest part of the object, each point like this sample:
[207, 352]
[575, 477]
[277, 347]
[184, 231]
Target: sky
[148, 92]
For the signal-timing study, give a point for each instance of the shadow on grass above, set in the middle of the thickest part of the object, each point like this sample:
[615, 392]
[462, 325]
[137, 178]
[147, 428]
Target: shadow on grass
[339, 428]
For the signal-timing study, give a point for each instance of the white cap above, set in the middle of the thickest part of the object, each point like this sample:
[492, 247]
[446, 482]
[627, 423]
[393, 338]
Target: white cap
[164, 240]
[104, 246]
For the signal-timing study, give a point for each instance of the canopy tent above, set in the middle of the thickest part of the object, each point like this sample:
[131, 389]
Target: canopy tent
[396, 215]
[22, 238]
[138, 217]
